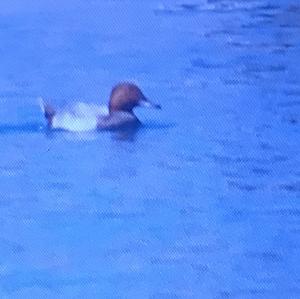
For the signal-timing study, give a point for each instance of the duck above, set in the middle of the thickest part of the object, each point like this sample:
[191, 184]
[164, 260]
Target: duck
[119, 114]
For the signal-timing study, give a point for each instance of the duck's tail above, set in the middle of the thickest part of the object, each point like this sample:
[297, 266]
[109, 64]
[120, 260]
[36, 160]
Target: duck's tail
[47, 110]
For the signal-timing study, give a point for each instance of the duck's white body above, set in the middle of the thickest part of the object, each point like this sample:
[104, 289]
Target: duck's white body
[81, 117]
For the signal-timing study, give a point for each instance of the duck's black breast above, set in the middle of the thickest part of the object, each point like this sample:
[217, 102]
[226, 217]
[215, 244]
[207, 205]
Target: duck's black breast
[118, 120]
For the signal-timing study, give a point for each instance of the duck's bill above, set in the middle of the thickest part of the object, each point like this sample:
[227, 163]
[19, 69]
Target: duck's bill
[148, 104]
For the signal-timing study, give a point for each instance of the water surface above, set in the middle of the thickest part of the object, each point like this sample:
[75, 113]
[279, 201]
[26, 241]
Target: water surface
[203, 201]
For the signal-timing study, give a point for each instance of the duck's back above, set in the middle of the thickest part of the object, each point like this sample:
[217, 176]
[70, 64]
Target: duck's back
[81, 117]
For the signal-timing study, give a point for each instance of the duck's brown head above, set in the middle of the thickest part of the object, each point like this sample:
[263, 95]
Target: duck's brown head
[126, 96]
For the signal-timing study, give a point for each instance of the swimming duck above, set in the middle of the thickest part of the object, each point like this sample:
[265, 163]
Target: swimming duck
[124, 98]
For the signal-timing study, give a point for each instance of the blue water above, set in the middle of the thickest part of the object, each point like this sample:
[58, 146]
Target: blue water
[203, 201]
